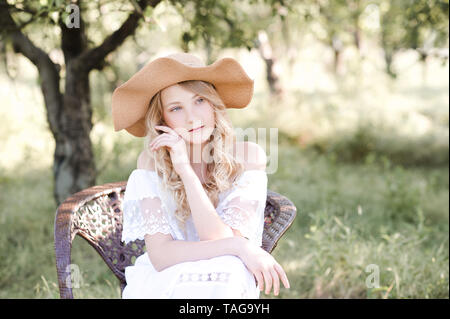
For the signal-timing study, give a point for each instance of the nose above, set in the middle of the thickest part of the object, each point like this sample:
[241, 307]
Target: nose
[191, 118]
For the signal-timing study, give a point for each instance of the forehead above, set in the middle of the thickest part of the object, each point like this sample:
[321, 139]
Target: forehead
[175, 93]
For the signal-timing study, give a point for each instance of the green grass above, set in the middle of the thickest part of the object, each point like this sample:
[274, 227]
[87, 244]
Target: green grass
[349, 216]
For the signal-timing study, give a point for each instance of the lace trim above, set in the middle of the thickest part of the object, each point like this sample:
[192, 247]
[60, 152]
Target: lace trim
[240, 219]
[204, 277]
[142, 184]
[223, 277]
[136, 224]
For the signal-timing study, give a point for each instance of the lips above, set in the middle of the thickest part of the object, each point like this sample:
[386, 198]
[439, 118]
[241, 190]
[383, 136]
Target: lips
[196, 129]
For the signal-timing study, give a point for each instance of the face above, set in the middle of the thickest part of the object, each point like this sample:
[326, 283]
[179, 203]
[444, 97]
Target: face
[183, 110]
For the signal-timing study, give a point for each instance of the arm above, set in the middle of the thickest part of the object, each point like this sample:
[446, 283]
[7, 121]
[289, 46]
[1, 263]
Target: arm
[164, 251]
[207, 222]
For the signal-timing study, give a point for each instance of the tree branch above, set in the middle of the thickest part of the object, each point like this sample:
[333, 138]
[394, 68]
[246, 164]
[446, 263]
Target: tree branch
[93, 58]
[48, 71]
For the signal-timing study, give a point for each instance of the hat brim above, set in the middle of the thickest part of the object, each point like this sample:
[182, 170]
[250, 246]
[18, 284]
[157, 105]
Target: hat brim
[130, 101]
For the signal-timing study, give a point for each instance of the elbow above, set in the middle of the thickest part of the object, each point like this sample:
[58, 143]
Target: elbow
[155, 260]
[158, 268]
[156, 248]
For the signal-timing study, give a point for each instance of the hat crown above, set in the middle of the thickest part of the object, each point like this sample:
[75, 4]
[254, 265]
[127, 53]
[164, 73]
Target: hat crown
[187, 59]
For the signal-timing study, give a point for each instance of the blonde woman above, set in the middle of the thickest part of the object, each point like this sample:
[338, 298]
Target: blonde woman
[197, 196]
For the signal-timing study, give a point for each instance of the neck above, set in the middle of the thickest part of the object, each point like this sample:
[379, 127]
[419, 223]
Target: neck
[196, 160]
[195, 153]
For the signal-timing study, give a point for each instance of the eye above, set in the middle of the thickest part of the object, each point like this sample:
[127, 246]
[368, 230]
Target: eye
[177, 107]
[200, 99]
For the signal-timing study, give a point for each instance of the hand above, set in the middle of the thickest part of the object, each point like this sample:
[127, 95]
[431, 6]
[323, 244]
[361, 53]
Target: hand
[176, 145]
[264, 267]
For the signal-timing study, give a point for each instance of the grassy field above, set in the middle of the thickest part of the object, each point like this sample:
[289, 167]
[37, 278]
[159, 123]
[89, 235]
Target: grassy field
[349, 216]
[371, 188]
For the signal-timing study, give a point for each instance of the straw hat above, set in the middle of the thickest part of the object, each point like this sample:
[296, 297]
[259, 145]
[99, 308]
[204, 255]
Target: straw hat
[130, 101]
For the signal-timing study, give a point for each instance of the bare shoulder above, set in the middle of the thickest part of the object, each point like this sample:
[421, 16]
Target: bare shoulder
[252, 155]
[145, 161]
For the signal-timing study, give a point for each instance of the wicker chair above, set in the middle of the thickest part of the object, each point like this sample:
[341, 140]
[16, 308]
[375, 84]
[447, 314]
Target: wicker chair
[95, 214]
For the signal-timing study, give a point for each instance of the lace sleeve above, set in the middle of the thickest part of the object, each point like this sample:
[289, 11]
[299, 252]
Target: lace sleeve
[143, 211]
[243, 207]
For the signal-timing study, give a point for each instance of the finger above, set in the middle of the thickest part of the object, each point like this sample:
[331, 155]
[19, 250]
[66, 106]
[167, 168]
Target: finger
[158, 138]
[166, 129]
[275, 281]
[165, 139]
[260, 280]
[154, 140]
[161, 144]
[283, 276]
[268, 281]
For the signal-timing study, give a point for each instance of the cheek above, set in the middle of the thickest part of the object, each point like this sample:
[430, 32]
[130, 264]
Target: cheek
[171, 119]
[210, 116]
[175, 122]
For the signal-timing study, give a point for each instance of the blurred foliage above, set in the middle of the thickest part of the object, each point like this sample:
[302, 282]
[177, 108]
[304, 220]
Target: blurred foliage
[214, 25]
[413, 24]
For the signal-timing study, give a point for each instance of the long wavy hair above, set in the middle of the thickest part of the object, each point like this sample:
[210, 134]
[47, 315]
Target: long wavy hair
[222, 170]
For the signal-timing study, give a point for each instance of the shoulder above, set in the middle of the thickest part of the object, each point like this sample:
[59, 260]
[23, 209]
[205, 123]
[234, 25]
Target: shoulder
[252, 155]
[145, 161]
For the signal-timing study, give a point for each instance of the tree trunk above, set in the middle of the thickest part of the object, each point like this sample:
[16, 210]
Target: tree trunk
[74, 165]
[337, 46]
[388, 58]
[272, 76]
[423, 59]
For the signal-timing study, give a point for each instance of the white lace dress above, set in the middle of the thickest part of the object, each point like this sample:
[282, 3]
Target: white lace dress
[148, 209]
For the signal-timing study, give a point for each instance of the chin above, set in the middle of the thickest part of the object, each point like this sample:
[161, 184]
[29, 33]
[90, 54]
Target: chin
[199, 138]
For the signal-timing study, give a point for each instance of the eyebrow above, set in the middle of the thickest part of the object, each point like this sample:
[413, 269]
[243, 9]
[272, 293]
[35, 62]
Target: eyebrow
[176, 102]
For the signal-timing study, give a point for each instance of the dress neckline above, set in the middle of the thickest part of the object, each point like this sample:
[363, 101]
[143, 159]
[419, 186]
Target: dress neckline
[244, 172]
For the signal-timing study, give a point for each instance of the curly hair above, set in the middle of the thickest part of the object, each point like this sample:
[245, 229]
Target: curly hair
[221, 170]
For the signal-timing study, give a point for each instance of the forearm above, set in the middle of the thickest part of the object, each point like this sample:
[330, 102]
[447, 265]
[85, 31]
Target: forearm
[173, 252]
[207, 222]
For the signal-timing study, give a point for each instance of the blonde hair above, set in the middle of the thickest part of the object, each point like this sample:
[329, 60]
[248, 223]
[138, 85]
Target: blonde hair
[220, 171]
